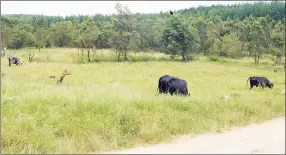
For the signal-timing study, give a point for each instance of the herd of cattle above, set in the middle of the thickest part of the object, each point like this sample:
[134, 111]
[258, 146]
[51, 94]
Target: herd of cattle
[173, 85]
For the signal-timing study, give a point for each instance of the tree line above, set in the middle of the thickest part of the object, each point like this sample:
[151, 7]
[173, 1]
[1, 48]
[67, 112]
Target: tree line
[233, 31]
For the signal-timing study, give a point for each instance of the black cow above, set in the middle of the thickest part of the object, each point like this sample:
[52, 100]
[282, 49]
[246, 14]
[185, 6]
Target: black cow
[172, 85]
[163, 85]
[14, 60]
[256, 81]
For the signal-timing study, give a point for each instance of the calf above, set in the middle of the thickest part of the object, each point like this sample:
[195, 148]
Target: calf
[14, 60]
[262, 81]
[173, 85]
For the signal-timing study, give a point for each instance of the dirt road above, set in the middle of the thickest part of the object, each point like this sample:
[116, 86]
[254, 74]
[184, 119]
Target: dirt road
[268, 137]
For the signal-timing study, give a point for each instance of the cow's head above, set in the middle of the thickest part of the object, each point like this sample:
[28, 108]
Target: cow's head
[19, 62]
[270, 85]
[186, 93]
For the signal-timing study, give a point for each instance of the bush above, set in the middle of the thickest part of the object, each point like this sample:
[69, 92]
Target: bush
[162, 59]
[172, 57]
[223, 54]
[191, 57]
[110, 58]
[76, 59]
[214, 58]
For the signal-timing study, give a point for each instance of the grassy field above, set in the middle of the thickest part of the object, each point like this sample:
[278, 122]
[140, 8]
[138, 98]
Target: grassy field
[112, 105]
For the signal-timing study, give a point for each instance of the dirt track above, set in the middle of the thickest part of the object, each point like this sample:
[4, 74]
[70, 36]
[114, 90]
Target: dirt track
[268, 137]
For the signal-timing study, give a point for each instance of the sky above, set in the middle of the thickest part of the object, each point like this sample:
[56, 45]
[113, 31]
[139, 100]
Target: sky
[66, 8]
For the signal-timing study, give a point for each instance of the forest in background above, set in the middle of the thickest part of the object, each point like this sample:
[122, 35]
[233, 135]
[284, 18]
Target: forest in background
[233, 31]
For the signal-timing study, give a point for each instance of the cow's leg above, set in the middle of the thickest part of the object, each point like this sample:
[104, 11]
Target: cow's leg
[164, 91]
[171, 91]
[185, 92]
[160, 91]
[262, 85]
[178, 92]
[251, 86]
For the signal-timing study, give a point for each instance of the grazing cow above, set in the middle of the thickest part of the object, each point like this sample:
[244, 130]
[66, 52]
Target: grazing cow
[178, 86]
[172, 85]
[163, 84]
[14, 60]
[256, 81]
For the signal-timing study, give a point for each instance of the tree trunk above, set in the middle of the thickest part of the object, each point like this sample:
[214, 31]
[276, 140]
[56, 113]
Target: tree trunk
[183, 57]
[118, 56]
[125, 56]
[2, 52]
[82, 54]
[242, 47]
[94, 52]
[2, 41]
[88, 51]
[3, 55]
[77, 52]
[258, 58]
[3, 48]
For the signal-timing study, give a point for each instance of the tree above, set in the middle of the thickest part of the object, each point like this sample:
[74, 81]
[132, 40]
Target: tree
[62, 33]
[21, 37]
[258, 40]
[123, 26]
[134, 43]
[231, 46]
[278, 36]
[242, 31]
[88, 36]
[177, 38]
[106, 31]
[4, 35]
[203, 34]
[39, 36]
[209, 26]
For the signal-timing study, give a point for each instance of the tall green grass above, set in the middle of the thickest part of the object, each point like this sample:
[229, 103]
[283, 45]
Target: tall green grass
[112, 105]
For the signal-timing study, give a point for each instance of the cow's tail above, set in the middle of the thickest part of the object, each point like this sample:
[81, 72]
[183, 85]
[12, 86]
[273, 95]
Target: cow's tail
[159, 85]
[9, 61]
[247, 81]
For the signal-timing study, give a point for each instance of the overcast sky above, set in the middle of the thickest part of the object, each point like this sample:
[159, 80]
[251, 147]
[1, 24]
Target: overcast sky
[63, 8]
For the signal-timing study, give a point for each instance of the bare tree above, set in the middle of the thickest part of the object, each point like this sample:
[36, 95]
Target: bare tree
[60, 80]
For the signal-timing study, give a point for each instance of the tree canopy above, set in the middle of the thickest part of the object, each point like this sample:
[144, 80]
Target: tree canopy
[231, 31]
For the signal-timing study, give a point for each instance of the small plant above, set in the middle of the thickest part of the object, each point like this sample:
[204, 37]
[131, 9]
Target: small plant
[31, 57]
